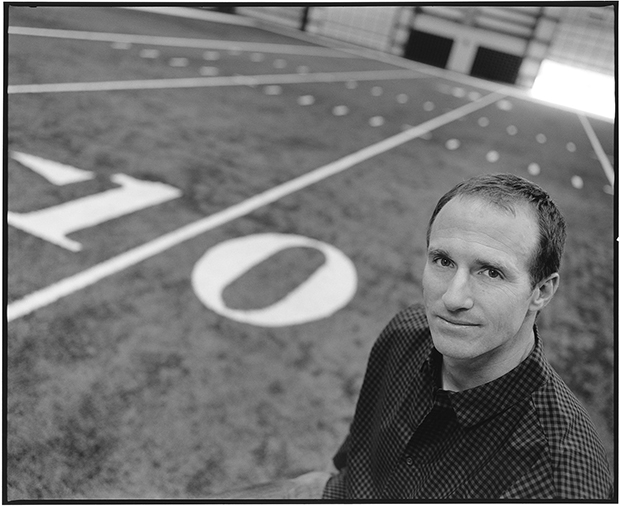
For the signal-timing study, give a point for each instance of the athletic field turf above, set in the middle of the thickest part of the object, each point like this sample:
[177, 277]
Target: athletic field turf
[146, 357]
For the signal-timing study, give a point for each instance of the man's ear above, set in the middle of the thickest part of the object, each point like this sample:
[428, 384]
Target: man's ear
[544, 292]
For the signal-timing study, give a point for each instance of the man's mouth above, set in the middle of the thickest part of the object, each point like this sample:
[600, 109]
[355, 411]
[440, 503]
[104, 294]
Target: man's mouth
[457, 322]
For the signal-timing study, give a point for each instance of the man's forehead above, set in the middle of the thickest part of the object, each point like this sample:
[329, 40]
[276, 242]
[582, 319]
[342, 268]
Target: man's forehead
[474, 218]
[481, 204]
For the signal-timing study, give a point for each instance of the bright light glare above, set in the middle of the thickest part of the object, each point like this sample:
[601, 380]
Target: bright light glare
[577, 88]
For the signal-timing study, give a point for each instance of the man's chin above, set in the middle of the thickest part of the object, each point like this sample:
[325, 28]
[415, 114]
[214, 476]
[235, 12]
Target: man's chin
[453, 346]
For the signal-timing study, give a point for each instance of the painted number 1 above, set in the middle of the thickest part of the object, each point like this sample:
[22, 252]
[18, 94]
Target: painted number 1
[53, 224]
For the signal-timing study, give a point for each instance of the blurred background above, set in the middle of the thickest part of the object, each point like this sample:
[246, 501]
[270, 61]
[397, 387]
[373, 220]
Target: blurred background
[562, 54]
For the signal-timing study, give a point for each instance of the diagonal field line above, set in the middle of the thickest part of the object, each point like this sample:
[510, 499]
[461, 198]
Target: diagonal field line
[69, 285]
[182, 42]
[598, 149]
[199, 82]
[206, 15]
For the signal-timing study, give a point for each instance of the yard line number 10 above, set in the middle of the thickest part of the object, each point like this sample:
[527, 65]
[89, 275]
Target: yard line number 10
[327, 290]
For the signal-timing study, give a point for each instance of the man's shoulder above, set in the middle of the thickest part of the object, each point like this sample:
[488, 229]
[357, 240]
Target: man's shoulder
[408, 326]
[406, 335]
[410, 320]
[560, 412]
[575, 450]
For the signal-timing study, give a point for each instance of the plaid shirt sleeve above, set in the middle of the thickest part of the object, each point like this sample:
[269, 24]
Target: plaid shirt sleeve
[577, 477]
[336, 487]
[575, 466]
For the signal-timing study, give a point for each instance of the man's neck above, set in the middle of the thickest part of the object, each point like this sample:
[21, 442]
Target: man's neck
[459, 375]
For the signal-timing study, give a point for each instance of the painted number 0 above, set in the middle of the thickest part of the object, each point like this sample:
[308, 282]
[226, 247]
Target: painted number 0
[326, 291]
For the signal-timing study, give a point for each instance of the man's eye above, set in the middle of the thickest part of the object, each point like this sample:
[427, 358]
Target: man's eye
[493, 273]
[442, 261]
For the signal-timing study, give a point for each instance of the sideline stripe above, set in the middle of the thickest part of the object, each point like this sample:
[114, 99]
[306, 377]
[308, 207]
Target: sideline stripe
[155, 40]
[196, 13]
[598, 149]
[56, 291]
[198, 82]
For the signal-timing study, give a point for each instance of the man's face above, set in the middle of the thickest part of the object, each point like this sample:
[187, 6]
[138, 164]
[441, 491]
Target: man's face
[476, 283]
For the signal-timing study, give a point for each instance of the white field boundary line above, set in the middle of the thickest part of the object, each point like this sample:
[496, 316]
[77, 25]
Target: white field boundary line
[200, 82]
[74, 283]
[598, 149]
[154, 40]
[205, 15]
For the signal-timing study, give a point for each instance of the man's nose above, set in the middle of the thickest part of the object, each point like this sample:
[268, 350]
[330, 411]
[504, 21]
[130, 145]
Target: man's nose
[458, 294]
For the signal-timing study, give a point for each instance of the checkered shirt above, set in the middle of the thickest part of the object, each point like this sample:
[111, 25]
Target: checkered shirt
[521, 436]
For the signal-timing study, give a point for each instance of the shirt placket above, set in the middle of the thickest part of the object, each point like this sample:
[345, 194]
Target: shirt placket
[423, 451]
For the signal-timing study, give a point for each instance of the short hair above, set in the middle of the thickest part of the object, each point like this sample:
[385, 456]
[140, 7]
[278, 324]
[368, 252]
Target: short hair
[506, 190]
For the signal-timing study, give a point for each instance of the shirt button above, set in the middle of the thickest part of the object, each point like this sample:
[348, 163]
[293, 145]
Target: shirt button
[409, 460]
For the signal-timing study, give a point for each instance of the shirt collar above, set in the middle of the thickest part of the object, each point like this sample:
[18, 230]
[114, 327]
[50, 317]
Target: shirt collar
[483, 402]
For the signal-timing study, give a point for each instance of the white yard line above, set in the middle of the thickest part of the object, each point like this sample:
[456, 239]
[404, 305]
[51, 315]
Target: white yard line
[199, 82]
[182, 42]
[58, 290]
[598, 149]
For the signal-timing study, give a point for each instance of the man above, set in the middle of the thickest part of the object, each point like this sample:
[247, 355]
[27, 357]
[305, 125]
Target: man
[458, 400]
